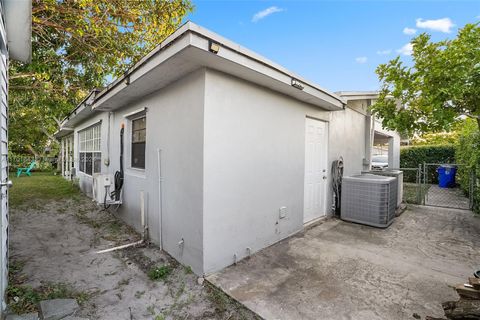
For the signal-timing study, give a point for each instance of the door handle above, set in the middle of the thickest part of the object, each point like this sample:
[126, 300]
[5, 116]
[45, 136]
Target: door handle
[7, 184]
[324, 177]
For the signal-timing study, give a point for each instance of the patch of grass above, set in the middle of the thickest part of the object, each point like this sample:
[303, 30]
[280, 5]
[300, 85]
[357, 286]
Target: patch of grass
[151, 309]
[219, 299]
[40, 186]
[223, 304]
[159, 272]
[23, 299]
[188, 270]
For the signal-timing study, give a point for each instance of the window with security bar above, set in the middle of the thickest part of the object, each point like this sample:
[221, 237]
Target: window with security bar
[90, 155]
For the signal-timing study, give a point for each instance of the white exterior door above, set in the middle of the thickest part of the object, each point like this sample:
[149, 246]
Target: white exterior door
[316, 148]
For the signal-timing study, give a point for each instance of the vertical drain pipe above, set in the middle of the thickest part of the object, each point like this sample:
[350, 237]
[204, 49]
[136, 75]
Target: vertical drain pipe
[142, 213]
[160, 205]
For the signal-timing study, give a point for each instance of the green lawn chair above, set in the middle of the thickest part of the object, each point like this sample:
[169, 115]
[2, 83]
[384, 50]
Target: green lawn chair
[26, 170]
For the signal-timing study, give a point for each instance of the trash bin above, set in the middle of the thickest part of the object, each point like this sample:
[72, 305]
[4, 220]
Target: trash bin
[446, 176]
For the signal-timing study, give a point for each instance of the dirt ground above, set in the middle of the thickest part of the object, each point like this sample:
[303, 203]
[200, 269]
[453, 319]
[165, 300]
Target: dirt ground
[56, 242]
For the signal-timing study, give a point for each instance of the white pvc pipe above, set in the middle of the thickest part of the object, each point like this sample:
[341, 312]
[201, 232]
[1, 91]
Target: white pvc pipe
[121, 247]
[160, 213]
[142, 217]
[142, 212]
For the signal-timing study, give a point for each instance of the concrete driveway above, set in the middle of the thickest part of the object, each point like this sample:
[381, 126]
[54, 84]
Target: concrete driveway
[340, 270]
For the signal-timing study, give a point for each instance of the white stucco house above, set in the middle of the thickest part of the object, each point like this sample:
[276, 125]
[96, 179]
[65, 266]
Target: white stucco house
[231, 151]
[15, 43]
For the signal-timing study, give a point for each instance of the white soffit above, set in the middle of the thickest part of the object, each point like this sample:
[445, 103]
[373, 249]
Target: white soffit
[188, 49]
[18, 21]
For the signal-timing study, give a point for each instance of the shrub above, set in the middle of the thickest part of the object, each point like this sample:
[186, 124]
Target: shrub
[18, 160]
[159, 272]
[413, 156]
[467, 152]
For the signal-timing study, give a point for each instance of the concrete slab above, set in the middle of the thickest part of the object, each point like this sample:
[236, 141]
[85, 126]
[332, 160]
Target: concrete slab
[340, 270]
[57, 309]
[27, 316]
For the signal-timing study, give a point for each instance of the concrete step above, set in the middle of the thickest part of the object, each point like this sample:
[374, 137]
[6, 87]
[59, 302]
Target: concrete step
[26, 316]
[58, 309]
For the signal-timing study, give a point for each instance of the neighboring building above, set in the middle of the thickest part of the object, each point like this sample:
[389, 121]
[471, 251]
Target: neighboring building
[231, 151]
[378, 141]
[15, 43]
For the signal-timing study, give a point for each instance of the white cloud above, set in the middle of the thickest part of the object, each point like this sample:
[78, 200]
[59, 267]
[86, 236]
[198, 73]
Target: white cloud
[406, 50]
[443, 25]
[361, 59]
[265, 13]
[409, 31]
[384, 52]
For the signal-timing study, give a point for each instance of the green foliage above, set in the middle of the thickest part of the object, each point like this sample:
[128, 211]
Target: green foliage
[24, 299]
[159, 272]
[412, 156]
[435, 139]
[41, 186]
[76, 47]
[444, 137]
[18, 160]
[442, 84]
[467, 152]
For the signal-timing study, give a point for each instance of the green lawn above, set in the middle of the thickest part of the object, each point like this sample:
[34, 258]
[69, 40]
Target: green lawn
[39, 187]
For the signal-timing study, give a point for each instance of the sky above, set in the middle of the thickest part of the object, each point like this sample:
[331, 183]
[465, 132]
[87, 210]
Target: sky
[336, 44]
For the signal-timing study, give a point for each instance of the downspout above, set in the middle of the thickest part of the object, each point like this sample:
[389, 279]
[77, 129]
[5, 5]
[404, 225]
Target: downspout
[369, 137]
[160, 205]
[107, 159]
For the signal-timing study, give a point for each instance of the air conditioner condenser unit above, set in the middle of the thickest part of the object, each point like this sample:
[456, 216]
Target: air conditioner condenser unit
[369, 199]
[103, 185]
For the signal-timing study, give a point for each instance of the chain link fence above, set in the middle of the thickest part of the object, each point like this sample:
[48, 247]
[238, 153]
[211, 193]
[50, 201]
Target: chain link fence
[452, 196]
[421, 187]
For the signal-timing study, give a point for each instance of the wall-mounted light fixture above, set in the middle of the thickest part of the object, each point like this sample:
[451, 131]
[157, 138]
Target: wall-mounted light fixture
[297, 84]
[213, 47]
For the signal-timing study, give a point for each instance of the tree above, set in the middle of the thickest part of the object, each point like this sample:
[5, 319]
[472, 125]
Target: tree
[77, 45]
[442, 86]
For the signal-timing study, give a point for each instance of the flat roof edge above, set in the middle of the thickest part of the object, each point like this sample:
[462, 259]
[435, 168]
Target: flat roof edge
[329, 98]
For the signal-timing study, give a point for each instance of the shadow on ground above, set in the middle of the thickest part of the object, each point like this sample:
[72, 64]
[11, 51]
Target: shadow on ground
[52, 248]
[340, 270]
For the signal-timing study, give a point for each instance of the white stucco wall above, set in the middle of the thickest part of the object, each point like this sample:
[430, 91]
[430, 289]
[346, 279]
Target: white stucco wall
[254, 164]
[347, 140]
[233, 154]
[361, 106]
[174, 120]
